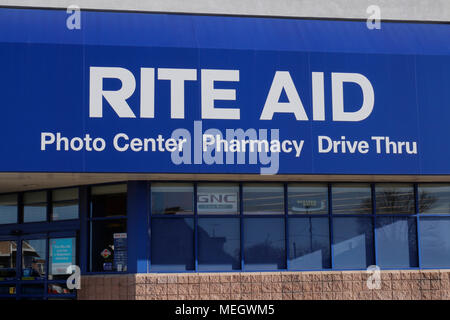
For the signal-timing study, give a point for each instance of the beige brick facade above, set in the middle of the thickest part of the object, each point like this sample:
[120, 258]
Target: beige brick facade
[336, 285]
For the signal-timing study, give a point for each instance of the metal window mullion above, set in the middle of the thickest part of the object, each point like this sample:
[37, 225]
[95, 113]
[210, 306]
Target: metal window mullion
[241, 226]
[417, 217]
[49, 206]
[195, 229]
[20, 208]
[149, 226]
[374, 221]
[286, 227]
[47, 260]
[330, 224]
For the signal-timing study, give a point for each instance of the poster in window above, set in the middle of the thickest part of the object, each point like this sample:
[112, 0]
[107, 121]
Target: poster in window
[62, 255]
[120, 251]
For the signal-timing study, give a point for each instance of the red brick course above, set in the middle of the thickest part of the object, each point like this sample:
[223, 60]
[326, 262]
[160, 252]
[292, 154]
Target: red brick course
[329, 285]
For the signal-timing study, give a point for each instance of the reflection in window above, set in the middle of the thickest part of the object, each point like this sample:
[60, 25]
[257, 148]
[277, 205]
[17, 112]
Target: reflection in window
[218, 244]
[109, 201]
[106, 253]
[35, 206]
[351, 198]
[8, 208]
[352, 242]
[309, 243]
[172, 244]
[263, 198]
[172, 198]
[435, 242]
[396, 242]
[58, 288]
[62, 255]
[65, 204]
[434, 198]
[218, 198]
[8, 254]
[308, 198]
[33, 258]
[264, 243]
[394, 198]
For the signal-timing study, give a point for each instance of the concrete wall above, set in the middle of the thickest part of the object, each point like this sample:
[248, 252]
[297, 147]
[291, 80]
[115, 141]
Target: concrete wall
[422, 10]
[335, 285]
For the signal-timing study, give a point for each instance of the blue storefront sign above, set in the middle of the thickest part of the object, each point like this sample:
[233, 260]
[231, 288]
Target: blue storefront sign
[139, 92]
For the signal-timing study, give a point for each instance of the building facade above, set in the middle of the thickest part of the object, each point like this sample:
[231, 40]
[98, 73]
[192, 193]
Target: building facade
[201, 151]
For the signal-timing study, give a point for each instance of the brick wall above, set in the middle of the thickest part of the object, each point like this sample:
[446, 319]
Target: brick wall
[416, 285]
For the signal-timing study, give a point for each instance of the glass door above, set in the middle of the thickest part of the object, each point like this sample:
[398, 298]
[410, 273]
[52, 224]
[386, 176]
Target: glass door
[33, 267]
[8, 268]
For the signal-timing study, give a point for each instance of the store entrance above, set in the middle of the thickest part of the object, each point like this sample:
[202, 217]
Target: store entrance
[34, 266]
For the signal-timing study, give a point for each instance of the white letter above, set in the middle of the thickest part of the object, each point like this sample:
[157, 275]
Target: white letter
[117, 99]
[116, 142]
[209, 94]
[298, 147]
[282, 80]
[318, 96]
[177, 78]
[330, 143]
[44, 141]
[147, 92]
[208, 139]
[339, 114]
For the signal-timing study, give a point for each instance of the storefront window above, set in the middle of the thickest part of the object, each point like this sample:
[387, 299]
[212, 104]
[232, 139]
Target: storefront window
[351, 198]
[172, 244]
[218, 198]
[8, 209]
[172, 198]
[264, 243]
[396, 242]
[65, 204]
[8, 254]
[108, 231]
[108, 246]
[35, 206]
[352, 242]
[435, 242]
[109, 201]
[394, 198]
[218, 244]
[33, 258]
[62, 256]
[434, 198]
[263, 198]
[308, 198]
[309, 243]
